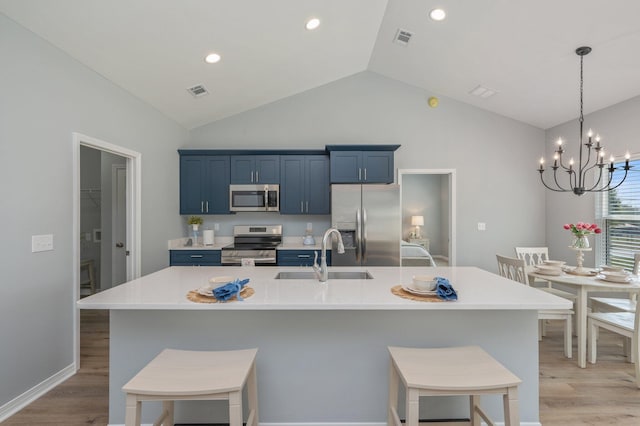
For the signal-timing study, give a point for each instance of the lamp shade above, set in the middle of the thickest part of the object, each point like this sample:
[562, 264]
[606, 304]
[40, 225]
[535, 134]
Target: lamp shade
[417, 220]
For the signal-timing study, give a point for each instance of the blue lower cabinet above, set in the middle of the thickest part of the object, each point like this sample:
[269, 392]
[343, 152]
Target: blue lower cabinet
[195, 258]
[299, 257]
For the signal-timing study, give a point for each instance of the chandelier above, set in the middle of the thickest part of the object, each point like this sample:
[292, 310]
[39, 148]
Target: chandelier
[577, 174]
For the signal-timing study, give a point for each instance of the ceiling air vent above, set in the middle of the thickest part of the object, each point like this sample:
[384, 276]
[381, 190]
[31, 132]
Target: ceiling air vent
[402, 37]
[198, 90]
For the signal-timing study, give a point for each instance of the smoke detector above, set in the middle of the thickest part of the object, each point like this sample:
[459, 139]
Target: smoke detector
[198, 90]
[402, 37]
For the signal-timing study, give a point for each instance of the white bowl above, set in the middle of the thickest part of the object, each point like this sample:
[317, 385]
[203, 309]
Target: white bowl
[609, 268]
[423, 283]
[549, 269]
[556, 263]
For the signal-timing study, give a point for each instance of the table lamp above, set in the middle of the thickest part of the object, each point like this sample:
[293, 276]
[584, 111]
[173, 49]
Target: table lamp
[417, 221]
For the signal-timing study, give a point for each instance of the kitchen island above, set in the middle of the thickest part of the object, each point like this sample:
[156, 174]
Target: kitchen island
[322, 347]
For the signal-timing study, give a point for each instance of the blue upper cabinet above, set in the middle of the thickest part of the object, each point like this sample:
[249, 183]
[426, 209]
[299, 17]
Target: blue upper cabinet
[304, 184]
[204, 184]
[255, 169]
[362, 166]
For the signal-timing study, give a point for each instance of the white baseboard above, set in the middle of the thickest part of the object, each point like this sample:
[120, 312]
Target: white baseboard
[21, 401]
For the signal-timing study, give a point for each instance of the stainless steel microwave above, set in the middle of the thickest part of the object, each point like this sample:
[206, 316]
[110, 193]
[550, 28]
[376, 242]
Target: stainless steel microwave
[254, 198]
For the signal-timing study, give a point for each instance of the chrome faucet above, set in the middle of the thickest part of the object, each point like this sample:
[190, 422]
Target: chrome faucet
[321, 271]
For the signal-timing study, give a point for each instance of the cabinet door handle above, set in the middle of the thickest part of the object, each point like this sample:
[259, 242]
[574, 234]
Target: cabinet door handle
[196, 256]
[207, 207]
[307, 207]
[301, 206]
[365, 173]
[251, 176]
[201, 206]
[359, 173]
[257, 180]
[304, 256]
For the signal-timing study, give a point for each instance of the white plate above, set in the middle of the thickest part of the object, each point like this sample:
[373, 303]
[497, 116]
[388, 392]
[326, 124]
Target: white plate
[614, 279]
[554, 263]
[418, 292]
[206, 290]
[549, 271]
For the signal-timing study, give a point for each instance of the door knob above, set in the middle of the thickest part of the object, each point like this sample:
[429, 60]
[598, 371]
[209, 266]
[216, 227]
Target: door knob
[119, 245]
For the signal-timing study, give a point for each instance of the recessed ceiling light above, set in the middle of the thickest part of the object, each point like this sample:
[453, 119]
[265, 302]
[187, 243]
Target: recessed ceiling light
[312, 24]
[437, 14]
[212, 58]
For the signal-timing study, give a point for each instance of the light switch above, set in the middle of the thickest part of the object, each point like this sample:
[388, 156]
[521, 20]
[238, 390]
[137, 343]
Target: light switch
[482, 226]
[41, 243]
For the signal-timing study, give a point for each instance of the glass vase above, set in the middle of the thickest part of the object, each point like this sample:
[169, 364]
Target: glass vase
[195, 234]
[581, 242]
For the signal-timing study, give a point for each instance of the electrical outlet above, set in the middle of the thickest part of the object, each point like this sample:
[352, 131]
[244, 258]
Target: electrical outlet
[309, 226]
[216, 226]
[482, 226]
[41, 243]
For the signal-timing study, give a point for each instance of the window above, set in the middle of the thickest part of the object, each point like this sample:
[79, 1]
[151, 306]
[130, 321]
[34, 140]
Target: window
[619, 213]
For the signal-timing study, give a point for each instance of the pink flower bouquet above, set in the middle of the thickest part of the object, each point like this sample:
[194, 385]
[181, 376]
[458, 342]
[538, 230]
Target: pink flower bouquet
[582, 229]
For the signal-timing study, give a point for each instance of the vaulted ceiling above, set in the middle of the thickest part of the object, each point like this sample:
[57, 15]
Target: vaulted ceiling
[523, 50]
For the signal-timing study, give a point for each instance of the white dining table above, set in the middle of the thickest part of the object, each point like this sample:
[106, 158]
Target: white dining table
[583, 285]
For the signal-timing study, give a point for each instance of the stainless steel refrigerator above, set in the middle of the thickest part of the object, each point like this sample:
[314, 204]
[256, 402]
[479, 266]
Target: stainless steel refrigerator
[368, 218]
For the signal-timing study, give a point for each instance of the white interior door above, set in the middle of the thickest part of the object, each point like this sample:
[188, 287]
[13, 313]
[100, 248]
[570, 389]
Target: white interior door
[119, 250]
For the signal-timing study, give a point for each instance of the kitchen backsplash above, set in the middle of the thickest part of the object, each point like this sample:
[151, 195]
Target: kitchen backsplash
[292, 225]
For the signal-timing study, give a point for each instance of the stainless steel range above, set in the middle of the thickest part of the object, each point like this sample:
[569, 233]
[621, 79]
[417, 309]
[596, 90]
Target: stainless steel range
[257, 242]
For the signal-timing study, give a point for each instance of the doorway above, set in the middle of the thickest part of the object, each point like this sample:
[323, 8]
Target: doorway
[106, 219]
[430, 194]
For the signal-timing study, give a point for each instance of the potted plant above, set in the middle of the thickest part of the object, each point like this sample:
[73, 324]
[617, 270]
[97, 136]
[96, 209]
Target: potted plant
[195, 222]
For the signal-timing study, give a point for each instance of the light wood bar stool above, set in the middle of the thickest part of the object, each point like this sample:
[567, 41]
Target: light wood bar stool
[466, 370]
[195, 375]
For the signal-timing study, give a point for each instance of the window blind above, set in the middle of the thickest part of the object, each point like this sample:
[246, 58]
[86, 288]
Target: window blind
[619, 213]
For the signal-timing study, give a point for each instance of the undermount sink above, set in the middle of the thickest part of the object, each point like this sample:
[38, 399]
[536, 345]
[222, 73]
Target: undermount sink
[333, 275]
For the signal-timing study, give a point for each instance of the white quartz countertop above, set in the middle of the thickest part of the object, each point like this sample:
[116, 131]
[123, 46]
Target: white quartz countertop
[167, 289]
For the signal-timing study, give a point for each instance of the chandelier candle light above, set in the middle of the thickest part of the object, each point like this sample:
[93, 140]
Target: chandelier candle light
[578, 173]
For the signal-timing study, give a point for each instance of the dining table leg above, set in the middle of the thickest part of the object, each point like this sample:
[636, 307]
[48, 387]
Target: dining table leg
[581, 326]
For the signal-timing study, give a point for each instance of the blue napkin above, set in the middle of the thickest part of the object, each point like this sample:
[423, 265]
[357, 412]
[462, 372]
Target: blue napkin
[444, 289]
[228, 290]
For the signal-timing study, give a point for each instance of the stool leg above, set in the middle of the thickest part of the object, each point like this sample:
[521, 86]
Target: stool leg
[511, 410]
[393, 395]
[132, 411]
[168, 407]
[252, 394]
[412, 406]
[474, 401]
[235, 408]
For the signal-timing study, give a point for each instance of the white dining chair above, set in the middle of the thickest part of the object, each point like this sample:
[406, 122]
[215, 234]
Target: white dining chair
[625, 324]
[618, 304]
[533, 256]
[514, 269]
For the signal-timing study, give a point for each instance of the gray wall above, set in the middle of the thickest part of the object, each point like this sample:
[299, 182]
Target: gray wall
[46, 96]
[495, 157]
[619, 127]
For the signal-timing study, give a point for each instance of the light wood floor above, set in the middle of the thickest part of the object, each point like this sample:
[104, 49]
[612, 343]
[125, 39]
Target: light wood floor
[601, 394]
